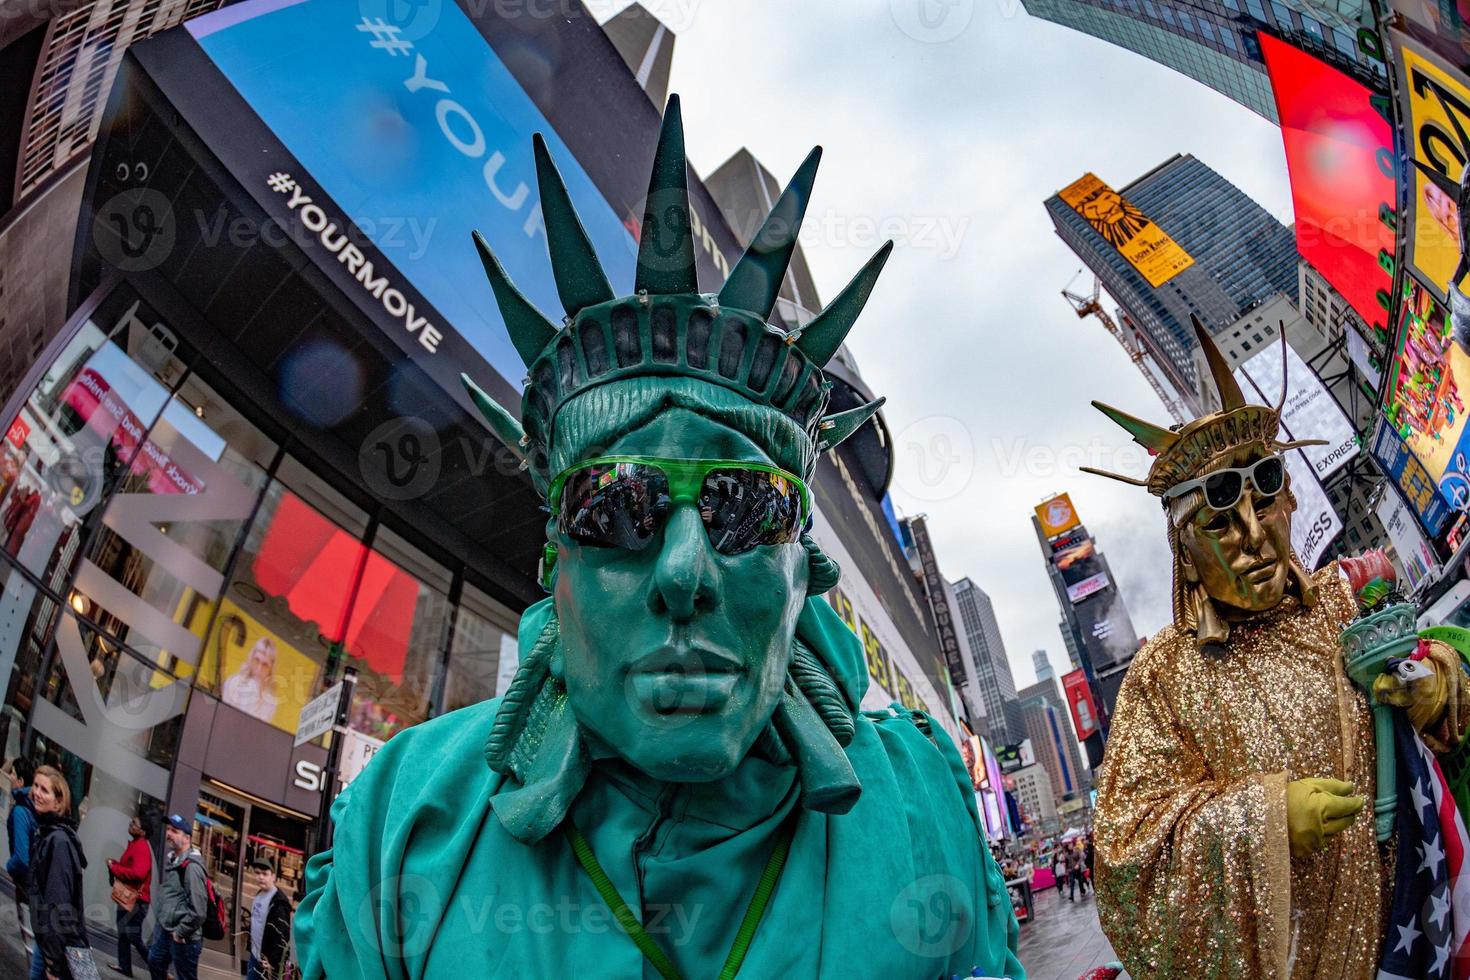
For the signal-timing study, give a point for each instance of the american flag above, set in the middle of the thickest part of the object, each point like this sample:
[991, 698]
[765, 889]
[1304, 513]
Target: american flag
[1430, 921]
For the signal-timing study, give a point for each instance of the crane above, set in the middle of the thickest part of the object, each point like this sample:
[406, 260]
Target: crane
[1089, 305]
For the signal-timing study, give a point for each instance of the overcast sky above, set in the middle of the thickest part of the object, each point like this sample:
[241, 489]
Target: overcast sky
[953, 137]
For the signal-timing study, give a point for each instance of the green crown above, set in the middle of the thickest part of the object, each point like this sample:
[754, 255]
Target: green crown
[669, 328]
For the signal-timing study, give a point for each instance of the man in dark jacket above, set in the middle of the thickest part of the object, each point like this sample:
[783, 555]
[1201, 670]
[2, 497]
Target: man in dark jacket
[270, 926]
[20, 829]
[182, 903]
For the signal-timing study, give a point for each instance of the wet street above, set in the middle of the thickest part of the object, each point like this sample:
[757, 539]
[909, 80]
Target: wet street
[1064, 939]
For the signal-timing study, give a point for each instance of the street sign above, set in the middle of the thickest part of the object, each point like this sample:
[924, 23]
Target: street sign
[319, 714]
[357, 750]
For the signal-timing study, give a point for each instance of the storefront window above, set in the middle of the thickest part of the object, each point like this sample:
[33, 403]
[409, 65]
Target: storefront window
[286, 607]
[396, 635]
[482, 656]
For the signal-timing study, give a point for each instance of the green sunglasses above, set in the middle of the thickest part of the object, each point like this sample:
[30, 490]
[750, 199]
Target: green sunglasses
[624, 501]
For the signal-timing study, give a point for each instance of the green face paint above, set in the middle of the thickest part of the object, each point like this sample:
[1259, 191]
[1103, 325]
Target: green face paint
[674, 656]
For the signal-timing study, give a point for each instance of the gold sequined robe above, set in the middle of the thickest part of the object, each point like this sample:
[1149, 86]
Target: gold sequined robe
[1195, 877]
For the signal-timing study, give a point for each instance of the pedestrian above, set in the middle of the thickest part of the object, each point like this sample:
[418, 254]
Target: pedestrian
[62, 950]
[1074, 872]
[178, 934]
[20, 829]
[1089, 857]
[1059, 870]
[132, 891]
[270, 925]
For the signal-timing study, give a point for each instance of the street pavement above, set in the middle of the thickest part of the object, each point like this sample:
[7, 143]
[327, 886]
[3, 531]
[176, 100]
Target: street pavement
[1063, 940]
[14, 963]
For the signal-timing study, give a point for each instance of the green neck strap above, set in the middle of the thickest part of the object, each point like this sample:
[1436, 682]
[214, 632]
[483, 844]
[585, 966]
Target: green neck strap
[629, 923]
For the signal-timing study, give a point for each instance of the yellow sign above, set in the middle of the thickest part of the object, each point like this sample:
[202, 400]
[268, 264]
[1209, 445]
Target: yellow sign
[1435, 106]
[256, 671]
[1057, 515]
[1145, 245]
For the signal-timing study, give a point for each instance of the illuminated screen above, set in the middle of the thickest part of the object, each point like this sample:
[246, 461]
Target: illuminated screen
[1334, 140]
[1425, 401]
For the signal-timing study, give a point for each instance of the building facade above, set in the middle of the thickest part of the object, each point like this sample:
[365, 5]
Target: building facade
[1037, 798]
[1242, 257]
[997, 687]
[1214, 41]
[1044, 726]
[1065, 737]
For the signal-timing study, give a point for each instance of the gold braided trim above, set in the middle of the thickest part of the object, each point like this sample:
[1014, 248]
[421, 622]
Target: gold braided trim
[1277, 847]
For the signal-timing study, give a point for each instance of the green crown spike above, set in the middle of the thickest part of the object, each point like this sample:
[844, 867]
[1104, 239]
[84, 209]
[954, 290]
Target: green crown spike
[1146, 434]
[502, 423]
[834, 429]
[580, 281]
[529, 329]
[756, 279]
[667, 329]
[666, 245]
[820, 339]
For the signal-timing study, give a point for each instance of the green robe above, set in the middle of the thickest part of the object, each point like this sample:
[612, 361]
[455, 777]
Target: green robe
[422, 880]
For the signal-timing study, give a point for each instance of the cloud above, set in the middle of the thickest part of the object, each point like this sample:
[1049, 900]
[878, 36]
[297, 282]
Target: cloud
[977, 132]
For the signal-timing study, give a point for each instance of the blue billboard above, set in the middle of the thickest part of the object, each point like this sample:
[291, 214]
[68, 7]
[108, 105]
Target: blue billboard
[419, 136]
[1401, 466]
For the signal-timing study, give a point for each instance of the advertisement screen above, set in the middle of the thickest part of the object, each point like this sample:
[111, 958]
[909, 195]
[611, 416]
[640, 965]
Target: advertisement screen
[1146, 246]
[1419, 488]
[1442, 26]
[1339, 156]
[419, 141]
[1310, 411]
[1434, 104]
[1425, 400]
[1106, 629]
[1057, 515]
[1084, 708]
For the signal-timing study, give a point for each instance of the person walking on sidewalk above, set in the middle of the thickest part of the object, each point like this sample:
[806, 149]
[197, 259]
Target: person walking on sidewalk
[270, 926]
[62, 950]
[1074, 872]
[20, 830]
[134, 871]
[178, 937]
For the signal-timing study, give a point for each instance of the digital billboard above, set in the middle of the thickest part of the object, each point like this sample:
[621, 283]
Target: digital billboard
[1107, 630]
[1425, 398]
[1339, 155]
[1309, 412]
[1057, 515]
[1419, 488]
[1434, 107]
[1146, 246]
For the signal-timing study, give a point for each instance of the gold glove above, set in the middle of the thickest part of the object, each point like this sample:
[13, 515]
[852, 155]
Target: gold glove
[1426, 697]
[1316, 809]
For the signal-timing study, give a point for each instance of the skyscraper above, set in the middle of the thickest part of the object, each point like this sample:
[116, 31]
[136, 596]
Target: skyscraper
[1063, 737]
[1043, 726]
[992, 669]
[1043, 665]
[1242, 256]
[1214, 41]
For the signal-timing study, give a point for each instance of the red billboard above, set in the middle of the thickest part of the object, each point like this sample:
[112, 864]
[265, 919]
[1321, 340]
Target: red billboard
[1084, 707]
[1339, 155]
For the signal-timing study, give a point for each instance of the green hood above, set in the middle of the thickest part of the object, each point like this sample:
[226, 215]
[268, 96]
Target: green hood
[424, 882]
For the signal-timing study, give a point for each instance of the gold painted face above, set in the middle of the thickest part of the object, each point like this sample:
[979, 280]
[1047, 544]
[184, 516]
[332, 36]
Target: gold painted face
[1242, 556]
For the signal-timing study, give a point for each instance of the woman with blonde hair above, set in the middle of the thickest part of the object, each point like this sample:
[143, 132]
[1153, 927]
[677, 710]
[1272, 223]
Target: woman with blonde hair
[251, 688]
[62, 950]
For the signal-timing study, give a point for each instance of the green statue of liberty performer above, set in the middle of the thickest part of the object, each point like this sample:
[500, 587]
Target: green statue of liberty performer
[678, 781]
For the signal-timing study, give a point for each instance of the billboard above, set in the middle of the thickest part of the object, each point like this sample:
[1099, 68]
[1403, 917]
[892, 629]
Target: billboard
[1091, 585]
[1416, 558]
[1419, 488]
[1084, 706]
[1107, 630]
[1310, 411]
[944, 621]
[1146, 246]
[1425, 397]
[1339, 155]
[1057, 515]
[1434, 106]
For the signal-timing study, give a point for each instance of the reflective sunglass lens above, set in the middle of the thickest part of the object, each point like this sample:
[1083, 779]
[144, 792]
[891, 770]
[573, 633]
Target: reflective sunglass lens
[614, 505]
[743, 509]
[1222, 489]
[1269, 475]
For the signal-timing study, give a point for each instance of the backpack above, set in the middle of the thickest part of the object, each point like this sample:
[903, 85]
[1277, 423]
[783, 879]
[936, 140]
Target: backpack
[214, 906]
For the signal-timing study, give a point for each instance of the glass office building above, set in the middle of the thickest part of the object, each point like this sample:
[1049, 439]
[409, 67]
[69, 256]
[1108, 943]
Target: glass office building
[1242, 257]
[1214, 41]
